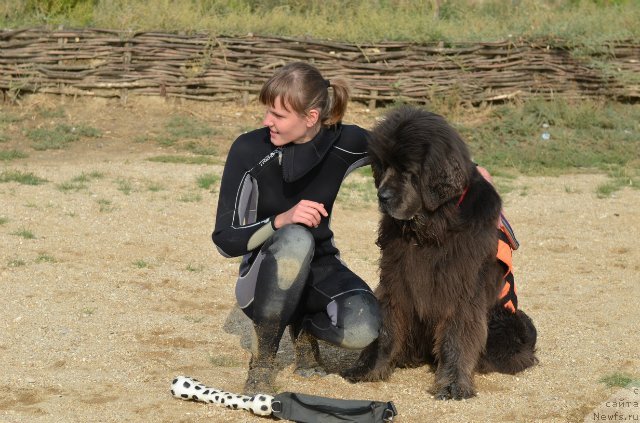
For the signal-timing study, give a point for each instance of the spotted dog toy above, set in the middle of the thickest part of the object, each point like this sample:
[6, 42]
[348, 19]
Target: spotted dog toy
[186, 388]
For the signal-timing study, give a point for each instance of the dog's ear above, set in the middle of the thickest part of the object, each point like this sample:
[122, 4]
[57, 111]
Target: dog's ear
[441, 180]
[376, 170]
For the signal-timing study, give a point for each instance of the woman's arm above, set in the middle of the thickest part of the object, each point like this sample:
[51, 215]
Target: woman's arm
[237, 231]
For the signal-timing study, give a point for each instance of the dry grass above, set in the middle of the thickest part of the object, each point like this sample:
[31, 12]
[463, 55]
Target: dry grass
[588, 22]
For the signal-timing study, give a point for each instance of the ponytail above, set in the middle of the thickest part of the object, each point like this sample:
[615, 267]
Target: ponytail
[338, 103]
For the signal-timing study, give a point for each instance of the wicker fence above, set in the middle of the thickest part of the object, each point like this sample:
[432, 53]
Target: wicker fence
[93, 62]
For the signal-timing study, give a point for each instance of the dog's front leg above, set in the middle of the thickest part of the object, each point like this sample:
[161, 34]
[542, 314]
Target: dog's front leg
[376, 361]
[458, 347]
[364, 365]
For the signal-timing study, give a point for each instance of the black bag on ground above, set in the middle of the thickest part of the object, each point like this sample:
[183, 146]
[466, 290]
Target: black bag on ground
[304, 408]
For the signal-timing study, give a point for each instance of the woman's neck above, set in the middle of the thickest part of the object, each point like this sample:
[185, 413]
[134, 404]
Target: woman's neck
[310, 134]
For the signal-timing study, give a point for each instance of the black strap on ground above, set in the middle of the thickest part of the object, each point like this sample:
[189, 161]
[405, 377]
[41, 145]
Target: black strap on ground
[305, 408]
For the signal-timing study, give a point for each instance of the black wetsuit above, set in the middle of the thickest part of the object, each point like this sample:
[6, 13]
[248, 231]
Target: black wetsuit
[261, 181]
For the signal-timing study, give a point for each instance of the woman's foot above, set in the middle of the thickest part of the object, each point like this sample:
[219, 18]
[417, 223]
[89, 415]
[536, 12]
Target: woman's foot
[307, 353]
[260, 380]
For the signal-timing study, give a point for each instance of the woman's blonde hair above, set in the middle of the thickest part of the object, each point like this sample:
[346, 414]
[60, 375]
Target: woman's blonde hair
[303, 88]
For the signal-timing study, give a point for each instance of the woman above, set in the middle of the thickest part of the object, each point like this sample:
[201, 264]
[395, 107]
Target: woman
[277, 193]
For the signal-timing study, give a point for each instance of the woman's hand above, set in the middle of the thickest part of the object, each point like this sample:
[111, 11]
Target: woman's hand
[306, 212]
[485, 174]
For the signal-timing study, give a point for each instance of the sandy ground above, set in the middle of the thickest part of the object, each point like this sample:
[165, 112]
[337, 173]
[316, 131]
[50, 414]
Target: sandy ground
[118, 291]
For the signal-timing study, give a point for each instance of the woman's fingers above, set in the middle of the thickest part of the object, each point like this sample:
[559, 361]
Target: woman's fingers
[308, 216]
[316, 206]
[306, 212]
[310, 212]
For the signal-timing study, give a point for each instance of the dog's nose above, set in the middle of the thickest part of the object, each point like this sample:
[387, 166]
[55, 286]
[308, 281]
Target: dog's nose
[384, 195]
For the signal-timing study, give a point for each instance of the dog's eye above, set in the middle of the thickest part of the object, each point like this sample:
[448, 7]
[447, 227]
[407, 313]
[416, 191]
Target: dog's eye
[415, 179]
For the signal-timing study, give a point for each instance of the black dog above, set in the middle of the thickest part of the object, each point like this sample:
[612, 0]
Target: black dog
[440, 280]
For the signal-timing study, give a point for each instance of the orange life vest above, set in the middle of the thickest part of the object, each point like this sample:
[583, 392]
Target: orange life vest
[506, 244]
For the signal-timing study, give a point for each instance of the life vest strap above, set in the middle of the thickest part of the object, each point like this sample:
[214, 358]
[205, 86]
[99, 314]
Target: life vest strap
[507, 231]
[508, 297]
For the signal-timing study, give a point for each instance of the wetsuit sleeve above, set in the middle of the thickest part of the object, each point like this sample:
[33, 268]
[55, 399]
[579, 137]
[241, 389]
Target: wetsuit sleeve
[357, 141]
[236, 231]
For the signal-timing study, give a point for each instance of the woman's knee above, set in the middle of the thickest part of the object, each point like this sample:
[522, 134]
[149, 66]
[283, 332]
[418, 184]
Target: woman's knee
[292, 241]
[292, 248]
[361, 320]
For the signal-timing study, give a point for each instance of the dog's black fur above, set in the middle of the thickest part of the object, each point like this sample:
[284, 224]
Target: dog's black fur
[439, 276]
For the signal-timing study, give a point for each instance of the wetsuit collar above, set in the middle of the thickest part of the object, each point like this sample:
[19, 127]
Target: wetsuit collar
[299, 159]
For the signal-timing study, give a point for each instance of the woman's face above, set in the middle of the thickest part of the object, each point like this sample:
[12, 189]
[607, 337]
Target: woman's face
[286, 126]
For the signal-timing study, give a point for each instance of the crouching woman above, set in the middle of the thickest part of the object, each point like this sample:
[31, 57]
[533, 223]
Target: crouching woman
[277, 194]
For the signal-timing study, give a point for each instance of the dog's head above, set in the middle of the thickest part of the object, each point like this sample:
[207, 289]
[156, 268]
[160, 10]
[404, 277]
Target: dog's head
[419, 162]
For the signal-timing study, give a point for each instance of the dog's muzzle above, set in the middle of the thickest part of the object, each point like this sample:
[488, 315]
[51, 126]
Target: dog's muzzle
[388, 204]
[385, 195]
[392, 204]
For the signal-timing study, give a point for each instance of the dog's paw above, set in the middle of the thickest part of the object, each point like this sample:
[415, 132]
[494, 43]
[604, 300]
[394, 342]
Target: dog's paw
[311, 371]
[365, 374]
[455, 391]
[355, 374]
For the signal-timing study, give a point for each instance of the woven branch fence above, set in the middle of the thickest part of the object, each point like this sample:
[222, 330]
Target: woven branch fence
[94, 62]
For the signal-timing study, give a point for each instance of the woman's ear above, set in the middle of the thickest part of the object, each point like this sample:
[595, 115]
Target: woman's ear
[312, 117]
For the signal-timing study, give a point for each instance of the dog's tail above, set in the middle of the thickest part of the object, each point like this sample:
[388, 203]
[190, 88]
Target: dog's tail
[511, 342]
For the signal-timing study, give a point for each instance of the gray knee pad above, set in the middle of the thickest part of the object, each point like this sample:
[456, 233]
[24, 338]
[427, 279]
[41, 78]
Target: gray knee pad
[292, 242]
[292, 249]
[360, 318]
[284, 260]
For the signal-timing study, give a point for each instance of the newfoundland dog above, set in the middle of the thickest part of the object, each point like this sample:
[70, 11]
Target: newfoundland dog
[445, 293]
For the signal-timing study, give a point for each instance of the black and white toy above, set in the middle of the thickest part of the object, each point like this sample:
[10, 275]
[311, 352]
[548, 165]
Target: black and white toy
[186, 388]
